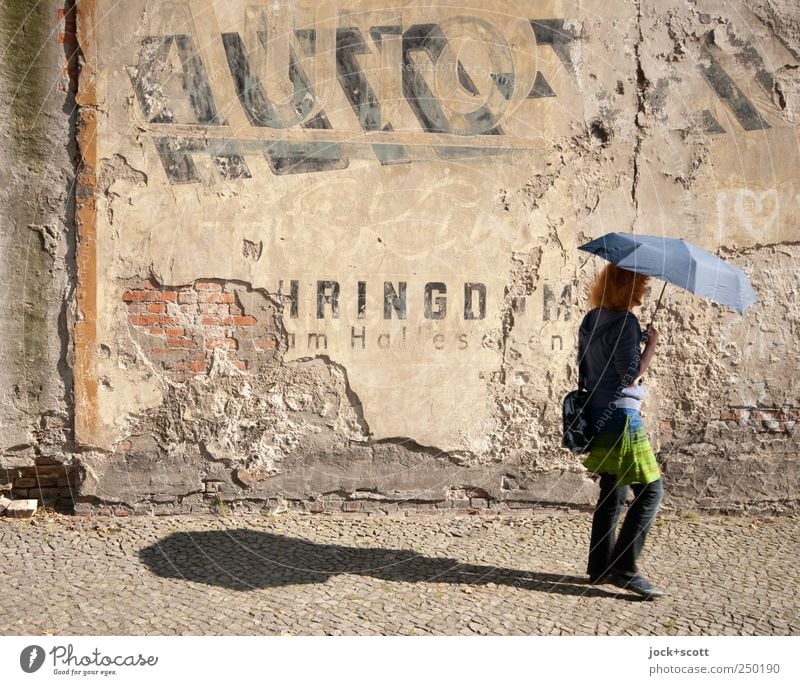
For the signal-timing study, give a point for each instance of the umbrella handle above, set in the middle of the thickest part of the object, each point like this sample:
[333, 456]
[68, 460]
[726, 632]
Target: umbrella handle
[658, 304]
[655, 313]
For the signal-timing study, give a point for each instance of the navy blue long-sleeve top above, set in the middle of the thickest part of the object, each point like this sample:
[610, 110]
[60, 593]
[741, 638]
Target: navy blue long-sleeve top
[609, 355]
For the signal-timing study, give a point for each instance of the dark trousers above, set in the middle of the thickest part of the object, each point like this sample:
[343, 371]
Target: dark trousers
[607, 551]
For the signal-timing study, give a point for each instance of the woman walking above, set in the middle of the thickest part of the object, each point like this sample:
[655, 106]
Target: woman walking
[611, 364]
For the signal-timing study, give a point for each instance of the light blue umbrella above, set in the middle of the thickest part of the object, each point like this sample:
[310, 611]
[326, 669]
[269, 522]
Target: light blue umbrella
[677, 262]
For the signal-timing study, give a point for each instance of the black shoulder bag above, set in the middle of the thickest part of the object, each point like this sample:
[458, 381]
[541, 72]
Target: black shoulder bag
[575, 415]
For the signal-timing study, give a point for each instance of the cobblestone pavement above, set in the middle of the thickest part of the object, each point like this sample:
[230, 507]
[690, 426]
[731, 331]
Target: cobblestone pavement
[353, 574]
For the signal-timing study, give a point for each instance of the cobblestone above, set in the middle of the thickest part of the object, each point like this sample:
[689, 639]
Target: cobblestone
[499, 574]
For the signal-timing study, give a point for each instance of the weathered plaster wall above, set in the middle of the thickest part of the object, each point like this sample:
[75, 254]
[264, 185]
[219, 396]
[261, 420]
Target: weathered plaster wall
[328, 253]
[37, 157]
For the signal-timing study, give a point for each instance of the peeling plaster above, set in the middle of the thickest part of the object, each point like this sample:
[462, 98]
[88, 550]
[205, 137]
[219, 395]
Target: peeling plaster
[423, 290]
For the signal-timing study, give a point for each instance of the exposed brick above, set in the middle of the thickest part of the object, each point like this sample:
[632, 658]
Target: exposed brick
[210, 319]
[727, 416]
[217, 343]
[44, 493]
[54, 470]
[520, 504]
[47, 461]
[24, 483]
[217, 321]
[214, 309]
[423, 508]
[763, 414]
[48, 482]
[158, 296]
[9, 475]
[181, 342]
[206, 285]
[187, 297]
[351, 506]
[219, 298]
[143, 319]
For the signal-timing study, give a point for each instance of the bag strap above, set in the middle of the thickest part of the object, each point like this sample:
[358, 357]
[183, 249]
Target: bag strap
[581, 365]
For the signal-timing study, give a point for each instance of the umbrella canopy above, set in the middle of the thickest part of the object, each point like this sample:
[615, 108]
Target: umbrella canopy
[678, 262]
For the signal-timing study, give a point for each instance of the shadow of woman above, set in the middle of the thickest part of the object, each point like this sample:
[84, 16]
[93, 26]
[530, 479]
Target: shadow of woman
[243, 559]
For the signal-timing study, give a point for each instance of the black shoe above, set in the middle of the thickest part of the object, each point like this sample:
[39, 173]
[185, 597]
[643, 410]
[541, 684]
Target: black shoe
[597, 580]
[636, 583]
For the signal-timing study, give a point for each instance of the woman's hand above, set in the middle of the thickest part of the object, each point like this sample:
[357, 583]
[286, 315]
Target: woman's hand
[651, 336]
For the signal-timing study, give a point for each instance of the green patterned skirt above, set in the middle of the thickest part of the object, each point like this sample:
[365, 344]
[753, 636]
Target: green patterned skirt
[622, 449]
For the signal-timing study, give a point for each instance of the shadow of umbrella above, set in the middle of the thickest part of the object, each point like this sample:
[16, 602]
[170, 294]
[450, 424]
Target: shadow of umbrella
[243, 559]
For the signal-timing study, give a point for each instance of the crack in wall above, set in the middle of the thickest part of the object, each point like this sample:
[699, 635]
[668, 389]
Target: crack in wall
[521, 283]
[638, 121]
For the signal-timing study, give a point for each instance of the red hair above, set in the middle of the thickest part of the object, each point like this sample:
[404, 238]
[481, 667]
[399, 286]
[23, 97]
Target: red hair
[617, 289]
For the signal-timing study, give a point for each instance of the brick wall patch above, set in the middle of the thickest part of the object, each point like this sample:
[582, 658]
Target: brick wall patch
[183, 329]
